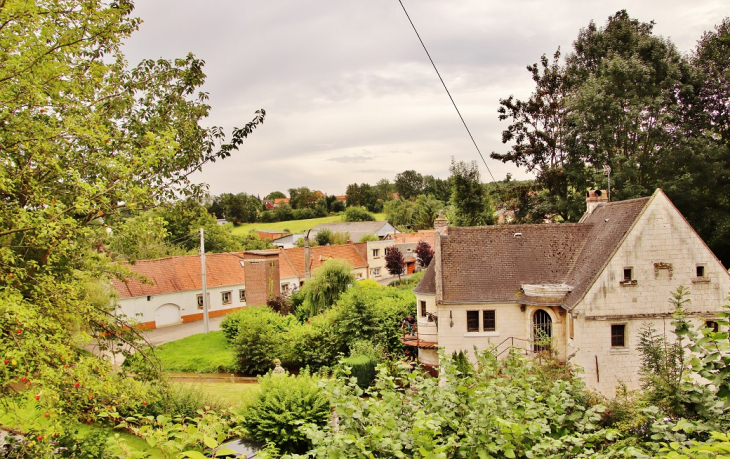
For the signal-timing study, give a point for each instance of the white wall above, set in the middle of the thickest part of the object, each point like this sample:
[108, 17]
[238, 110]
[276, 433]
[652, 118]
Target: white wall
[660, 236]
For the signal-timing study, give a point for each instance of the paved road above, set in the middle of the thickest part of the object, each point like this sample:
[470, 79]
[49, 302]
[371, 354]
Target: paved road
[175, 332]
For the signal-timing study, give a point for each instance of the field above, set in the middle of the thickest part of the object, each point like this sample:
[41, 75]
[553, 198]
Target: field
[293, 226]
[199, 353]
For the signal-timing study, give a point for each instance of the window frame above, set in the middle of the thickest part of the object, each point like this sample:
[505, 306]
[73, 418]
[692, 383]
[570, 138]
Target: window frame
[615, 336]
[242, 295]
[700, 271]
[470, 319]
[376, 253]
[422, 304]
[224, 295]
[200, 302]
[492, 319]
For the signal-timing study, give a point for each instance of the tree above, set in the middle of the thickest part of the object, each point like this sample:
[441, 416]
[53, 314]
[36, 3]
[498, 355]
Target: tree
[357, 214]
[399, 212]
[384, 189]
[86, 141]
[437, 188]
[238, 208]
[325, 287]
[142, 237]
[394, 262]
[409, 184]
[469, 201]
[426, 211]
[274, 195]
[323, 237]
[424, 253]
[302, 198]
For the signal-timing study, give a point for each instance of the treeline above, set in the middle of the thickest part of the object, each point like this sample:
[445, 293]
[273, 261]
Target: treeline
[626, 101]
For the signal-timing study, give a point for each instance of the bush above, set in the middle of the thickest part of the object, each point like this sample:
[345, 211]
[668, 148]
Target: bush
[259, 338]
[362, 367]
[284, 405]
[357, 214]
[314, 345]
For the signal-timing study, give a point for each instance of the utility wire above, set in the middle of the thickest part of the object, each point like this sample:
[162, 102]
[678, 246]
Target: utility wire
[447, 89]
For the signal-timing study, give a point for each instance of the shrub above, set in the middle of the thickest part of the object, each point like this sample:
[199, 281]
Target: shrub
[325, 287]
[283, 406]
[362, 367]
[259, 338]
[357, 214]
[315, 344]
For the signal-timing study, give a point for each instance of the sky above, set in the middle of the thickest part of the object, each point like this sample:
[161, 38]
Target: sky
[350, 95]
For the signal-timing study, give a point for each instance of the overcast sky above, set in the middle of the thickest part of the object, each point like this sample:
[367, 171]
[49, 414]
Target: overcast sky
[349, 93]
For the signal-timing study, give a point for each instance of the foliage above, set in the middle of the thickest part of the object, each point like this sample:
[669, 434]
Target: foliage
[236, 208]
[302, 198]
[424, 253]
[363, 195]
[323, 236]
[394, 261]
[426, 211]
[259, 338]
[399, 212]
[323, 289]
[461, 363]
[357, 214]
[315, 344]
[361, 367]
[369, 238]
[274, 195]
[285, 404]
[470, 203]
[409, 184]
[142, 237]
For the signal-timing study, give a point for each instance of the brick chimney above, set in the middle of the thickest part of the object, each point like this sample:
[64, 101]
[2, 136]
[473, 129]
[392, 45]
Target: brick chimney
[594, 198]
[441, 225]
[261, 270]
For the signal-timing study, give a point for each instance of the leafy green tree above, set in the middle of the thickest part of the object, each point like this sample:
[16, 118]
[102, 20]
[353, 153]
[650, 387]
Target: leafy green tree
[302, 198]
[142, 237]
[399, 212]
[384, 189]
[85, 139]
[325, 287]
[357, 214]
[274, 195]
[437, 188]
[368, 238]
[238, 208]
[469, 200]
[323, 237]
[409, 184]
[426, 211]
[183, 222]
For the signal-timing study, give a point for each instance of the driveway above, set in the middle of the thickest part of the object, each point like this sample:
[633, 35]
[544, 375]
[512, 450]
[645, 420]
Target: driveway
[175, 332]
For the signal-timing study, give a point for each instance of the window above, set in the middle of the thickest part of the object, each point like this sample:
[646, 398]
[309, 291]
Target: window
[628, 274]
[472, 321]
[489, 321]
[242, 295]
[618, 335]
[700, 271]
[375, 271]
[376, 253]
[410, 249]
[423, 309]
[226, 297]
[712, 325]
[200, 301]
[385, 252]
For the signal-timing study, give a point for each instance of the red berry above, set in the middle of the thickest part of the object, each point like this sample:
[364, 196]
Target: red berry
[7, 362]
[46, 414]
[37, 397]
[144, 403]
[76, 384]
[19, 331]
[89, 421]
[10, 276]
[40, 437]
[22, 379]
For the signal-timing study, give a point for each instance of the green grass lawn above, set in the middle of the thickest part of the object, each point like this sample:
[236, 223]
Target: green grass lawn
[199, 353]
[226, 393]
[294, 226]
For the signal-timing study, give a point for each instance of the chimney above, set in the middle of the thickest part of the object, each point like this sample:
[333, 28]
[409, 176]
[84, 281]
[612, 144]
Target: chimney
[594, 198]
[441, 225]
[261, 271]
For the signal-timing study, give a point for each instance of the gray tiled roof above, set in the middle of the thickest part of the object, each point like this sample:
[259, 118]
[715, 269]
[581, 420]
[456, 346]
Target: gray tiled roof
[356, 229]
[490, 264]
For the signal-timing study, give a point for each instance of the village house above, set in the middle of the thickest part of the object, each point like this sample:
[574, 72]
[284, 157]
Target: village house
[405, 242]
[590, 287]
[235, 280]
[356, 230]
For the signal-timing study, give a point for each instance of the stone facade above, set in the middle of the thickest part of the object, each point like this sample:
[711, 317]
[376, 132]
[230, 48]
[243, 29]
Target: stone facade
[619, 267]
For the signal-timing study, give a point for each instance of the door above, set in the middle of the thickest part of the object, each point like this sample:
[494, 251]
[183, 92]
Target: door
[542, 330]
[167, 314]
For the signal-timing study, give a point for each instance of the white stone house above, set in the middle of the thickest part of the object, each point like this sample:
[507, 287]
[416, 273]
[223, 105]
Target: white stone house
[590, 286]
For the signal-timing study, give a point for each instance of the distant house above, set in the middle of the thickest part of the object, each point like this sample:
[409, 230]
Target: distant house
[405, 242]
[292, 263]
[287, 242]
[280, 201]
[174, 294]
[357, 229]
[272, 235]
[342, 198]
[589, 287]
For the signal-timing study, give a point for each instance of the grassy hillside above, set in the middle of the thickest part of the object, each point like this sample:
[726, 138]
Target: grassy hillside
[294, 226]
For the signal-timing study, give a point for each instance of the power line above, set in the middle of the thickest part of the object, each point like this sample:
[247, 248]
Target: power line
[447, 90]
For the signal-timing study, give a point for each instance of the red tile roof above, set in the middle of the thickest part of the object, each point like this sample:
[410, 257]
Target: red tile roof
[178, 274]
[422, 235]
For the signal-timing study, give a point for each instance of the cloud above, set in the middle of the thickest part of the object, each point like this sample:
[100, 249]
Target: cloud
[352, 159]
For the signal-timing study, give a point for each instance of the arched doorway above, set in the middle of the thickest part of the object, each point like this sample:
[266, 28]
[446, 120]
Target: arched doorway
[542, 329]
[167, 314]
